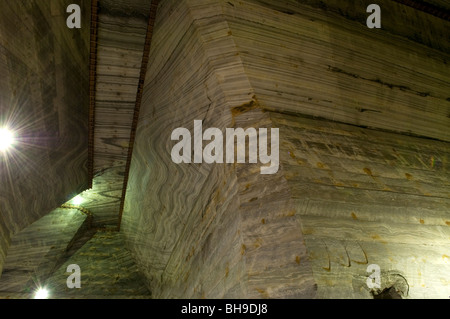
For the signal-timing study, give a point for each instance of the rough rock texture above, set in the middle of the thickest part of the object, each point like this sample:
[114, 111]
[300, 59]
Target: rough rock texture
[35, 252]
[107, 271]
[122, 27]
[367, 197]
[361, 179]
[121, 34]
[119, 55]
[315, 62]
[364, 150]
[40, 254]
[44, 98]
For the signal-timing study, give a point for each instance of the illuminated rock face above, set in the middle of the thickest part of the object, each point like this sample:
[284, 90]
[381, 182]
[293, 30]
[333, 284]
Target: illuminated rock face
[44, 99]
[40, 256]
[35, 251]
[363, 178]
[368, 197]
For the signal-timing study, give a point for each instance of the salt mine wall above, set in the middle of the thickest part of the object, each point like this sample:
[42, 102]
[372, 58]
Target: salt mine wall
[363, 130]
[352, 202]
[369, 191]
[317, 62]
[191, 234]
[44, 99]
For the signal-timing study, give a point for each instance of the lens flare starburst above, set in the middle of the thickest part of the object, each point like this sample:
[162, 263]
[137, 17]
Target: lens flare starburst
[6, 139]
[41, 293]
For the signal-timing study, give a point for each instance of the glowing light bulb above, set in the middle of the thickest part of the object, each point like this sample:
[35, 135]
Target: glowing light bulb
[6, 139]
[41, 293]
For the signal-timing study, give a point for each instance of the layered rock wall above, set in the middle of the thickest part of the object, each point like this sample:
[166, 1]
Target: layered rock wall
[363, 178]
